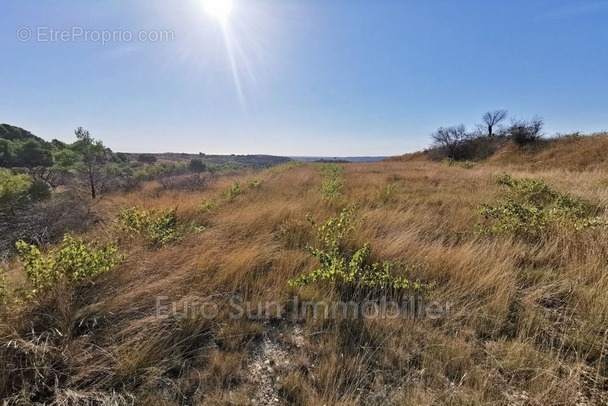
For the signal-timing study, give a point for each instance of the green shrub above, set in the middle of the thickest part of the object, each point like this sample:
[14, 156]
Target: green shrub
[330, 189]
[208, 205]
[39, 190]
[351, 271]
[331, 170]
[254, 183]
[532, 208]
[332, 182]
[74, 261]
[234, 191]
[13, 187]
[197, 165]
[158, 227]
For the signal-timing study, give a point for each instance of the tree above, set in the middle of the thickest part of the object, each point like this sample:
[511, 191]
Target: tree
[146, 158]
[451, 140]
[122, 157]
[525, 132]
[197, 165]
[31, 155]
[92, 155]
[492, 119]
[7, 153]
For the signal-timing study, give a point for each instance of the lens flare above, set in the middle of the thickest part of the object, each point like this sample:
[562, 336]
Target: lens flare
[219, 9]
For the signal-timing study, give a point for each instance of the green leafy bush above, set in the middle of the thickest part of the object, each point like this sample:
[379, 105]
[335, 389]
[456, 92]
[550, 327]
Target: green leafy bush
[13, 187]
[352, 271]
[208, 205]
[330, 189]
[532, 208]
[158, 227]
[73, 261]
[234, 191]
[332, 182]
[254, 183]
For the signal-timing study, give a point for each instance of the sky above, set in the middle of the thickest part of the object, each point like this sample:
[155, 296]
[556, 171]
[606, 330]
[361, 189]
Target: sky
[297, 78]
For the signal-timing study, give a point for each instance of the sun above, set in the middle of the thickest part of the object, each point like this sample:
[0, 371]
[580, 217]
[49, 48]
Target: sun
[219, 9]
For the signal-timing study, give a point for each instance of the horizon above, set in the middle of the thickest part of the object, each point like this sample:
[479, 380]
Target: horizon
[314, 79]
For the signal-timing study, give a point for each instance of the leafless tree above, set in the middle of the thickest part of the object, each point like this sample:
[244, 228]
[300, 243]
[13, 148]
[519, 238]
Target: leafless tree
[493, 118]
[525, 132]
[450, 139]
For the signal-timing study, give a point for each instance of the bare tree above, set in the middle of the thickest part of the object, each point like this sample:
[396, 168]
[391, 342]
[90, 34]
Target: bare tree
[451, 139]
[525, 132]
[493, 118]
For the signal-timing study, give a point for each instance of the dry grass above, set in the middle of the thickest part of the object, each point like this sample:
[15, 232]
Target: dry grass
[527, 322]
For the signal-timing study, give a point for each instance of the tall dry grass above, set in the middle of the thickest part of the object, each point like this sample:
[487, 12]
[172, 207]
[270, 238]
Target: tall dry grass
[527, 325]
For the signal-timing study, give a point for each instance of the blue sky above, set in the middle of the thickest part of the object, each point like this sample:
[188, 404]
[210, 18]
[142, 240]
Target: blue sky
[331, 77]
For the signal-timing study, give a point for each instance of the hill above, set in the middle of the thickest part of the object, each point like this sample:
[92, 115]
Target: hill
[570, 152]
[13, 133]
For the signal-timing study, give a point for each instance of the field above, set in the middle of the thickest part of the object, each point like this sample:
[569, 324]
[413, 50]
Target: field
[506, 311]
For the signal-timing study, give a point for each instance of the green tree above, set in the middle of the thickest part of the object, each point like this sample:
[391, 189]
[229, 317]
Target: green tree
[122, 157]
[197, 165]
[32, 154]
[146, 158]
[7, 153]
[92, 155]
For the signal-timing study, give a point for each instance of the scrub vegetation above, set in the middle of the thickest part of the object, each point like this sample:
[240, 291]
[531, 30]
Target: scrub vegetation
[511, 251]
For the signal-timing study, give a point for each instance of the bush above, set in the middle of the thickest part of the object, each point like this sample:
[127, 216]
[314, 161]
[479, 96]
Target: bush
[474, 148]
[208, 205]
[532, 209]
[42, 222]
[14, 188]
[190, 183]
[332, 182]
[39, 190]
[234, 191]
[197, 165]
[254, 183]
[74, 261]
[526, 132]
[146, 158]
[352, 272]
[158, 227]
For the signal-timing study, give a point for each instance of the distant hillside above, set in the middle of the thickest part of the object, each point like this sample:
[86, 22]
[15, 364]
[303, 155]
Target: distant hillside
[14, 133]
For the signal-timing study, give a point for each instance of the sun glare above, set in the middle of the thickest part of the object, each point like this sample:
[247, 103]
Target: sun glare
[219, 9]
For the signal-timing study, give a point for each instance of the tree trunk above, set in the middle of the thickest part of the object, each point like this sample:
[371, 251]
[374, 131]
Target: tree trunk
[92, 187]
